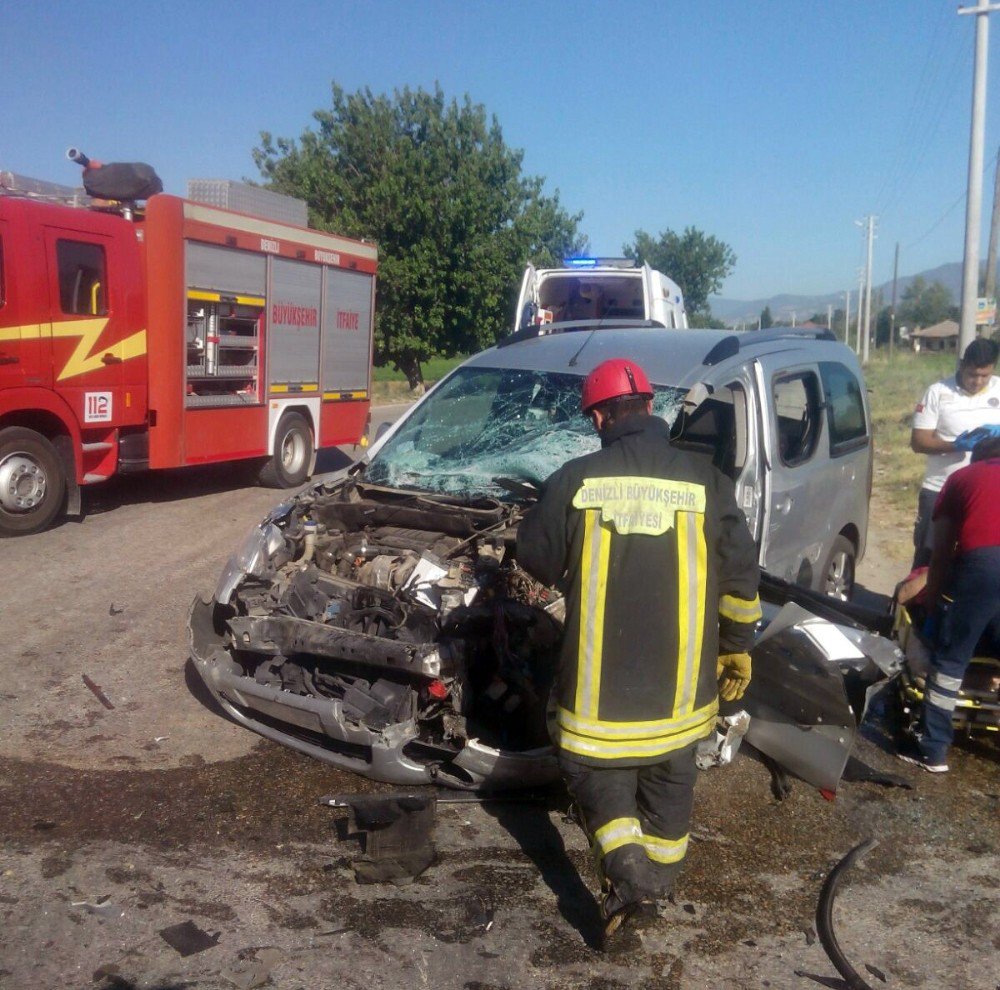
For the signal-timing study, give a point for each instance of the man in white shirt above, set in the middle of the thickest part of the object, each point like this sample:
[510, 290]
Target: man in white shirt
[950, 418]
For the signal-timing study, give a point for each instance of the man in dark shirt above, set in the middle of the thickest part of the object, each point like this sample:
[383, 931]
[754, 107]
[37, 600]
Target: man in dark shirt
[965, 565]
[661, 577]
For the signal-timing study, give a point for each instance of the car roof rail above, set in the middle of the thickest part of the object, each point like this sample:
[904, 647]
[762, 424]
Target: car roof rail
[546, 329]
[730, 346]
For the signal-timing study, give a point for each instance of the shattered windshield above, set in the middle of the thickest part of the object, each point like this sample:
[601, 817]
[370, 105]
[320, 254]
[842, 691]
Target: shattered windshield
[485, 424]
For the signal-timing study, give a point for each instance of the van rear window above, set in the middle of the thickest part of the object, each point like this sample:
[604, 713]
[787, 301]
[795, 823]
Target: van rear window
[845, 407]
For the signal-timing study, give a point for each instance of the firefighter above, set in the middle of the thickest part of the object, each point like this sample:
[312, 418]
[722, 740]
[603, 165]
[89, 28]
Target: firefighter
[660, 576]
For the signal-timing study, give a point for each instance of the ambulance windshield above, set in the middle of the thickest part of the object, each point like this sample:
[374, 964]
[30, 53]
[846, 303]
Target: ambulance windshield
[487, 424]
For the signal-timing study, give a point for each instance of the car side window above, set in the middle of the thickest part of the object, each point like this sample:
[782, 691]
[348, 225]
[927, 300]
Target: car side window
[83, 284]
[845, 408]
[797, 412]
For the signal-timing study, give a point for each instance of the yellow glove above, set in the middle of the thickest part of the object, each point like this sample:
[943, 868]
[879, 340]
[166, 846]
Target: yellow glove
[733, 672]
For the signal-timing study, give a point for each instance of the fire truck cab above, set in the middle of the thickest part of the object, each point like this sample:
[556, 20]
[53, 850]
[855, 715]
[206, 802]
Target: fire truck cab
[179, 333]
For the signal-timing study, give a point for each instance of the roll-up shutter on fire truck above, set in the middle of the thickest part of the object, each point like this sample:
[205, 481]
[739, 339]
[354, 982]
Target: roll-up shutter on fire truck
[293, 318]
[346, 331]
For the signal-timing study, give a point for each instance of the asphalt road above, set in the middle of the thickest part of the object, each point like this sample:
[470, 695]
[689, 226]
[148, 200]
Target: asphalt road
[132, 806]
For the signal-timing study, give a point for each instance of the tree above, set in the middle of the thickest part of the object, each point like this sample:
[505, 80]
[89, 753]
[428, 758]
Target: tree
[923, 305]
[433, 182]
[698, 262]
[766, 319]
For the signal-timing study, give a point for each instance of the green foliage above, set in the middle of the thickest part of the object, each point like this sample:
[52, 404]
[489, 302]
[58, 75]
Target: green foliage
[766, 319]
[696, 261]
[433, 182]
[923, 304]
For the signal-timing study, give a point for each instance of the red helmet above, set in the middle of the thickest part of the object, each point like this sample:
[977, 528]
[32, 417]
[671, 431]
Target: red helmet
[613, 378]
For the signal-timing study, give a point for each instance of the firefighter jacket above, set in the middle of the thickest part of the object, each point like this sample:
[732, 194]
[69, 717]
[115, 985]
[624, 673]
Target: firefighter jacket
[660, 575]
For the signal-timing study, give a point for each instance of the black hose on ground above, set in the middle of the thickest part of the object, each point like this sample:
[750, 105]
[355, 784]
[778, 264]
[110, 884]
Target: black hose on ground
[824, 916]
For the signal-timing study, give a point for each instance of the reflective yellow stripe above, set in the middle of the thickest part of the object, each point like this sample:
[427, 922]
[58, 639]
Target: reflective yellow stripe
[360, 394]
[617, 833]
[593, 590]
[655, 728]
[279, 388]
[740, 609]
[691, 577]
[86, 355]
[665, 850]
[202, 295]
[607, 749]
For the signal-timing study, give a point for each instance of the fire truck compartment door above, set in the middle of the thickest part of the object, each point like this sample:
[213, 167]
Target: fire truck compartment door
[347, 331]
[224, 270]
[293, 321]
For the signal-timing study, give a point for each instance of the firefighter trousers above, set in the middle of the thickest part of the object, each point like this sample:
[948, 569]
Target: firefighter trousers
[636, 819]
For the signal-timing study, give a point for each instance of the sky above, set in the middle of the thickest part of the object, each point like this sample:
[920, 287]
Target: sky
[773, 125]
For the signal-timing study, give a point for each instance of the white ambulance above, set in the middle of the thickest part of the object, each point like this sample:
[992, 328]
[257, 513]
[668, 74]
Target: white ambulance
[616, 291]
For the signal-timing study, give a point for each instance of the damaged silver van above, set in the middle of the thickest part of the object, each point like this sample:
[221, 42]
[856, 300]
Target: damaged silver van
[380, 620]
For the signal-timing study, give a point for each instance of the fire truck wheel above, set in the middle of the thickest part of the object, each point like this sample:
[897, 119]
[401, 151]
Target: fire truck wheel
[289, 465]
[32, 482]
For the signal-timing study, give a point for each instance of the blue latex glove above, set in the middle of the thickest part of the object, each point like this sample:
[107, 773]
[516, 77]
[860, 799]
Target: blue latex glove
[969, 439]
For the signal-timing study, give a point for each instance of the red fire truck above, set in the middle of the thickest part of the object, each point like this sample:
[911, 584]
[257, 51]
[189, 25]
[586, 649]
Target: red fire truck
[175, 334]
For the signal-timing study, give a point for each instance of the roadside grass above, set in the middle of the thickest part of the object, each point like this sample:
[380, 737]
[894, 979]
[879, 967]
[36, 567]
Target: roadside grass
[390, 385]
[895, 388]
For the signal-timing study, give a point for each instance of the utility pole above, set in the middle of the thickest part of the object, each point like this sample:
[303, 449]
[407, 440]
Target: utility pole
[974, 199]
[861, 296]
[991, 254]
[847, 317]
[892, 308]
[829, 315]
[870, 221]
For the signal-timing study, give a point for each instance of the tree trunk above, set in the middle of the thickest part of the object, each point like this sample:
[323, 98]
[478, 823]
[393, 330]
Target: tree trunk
[409, 364]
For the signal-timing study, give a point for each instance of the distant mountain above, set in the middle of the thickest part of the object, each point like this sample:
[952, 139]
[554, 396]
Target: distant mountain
[785, 306]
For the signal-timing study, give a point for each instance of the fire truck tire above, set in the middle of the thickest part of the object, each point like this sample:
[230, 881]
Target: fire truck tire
[289, 464]
[32, 482]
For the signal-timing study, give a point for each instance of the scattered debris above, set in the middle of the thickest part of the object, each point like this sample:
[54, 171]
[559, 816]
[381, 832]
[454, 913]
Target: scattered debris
[824, 917]
[876, 972]
[159, 739]
[254, 969]
[98, 693]
[810, 934]
[718, 752]
[187, 938]
[102, 907]
[116, 609]
[395, 834]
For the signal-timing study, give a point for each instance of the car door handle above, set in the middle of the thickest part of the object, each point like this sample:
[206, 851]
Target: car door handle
[784, 504]
[9, 359]
[111, 359]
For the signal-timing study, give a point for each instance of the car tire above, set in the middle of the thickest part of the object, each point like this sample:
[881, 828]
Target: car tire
[837, 576]
[32, 482]
[292, 455]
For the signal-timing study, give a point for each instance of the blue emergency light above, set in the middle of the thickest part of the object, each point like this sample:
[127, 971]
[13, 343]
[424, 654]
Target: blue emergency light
[598, 263]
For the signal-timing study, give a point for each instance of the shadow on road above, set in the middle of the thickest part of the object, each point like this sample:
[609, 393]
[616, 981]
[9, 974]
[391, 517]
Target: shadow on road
[532, 828]
[177, 484]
